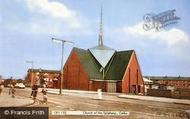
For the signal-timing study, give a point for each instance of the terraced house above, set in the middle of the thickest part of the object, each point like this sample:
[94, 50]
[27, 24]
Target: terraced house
[43, 76]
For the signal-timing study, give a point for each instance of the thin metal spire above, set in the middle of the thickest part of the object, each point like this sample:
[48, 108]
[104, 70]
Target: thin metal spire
[101, 30]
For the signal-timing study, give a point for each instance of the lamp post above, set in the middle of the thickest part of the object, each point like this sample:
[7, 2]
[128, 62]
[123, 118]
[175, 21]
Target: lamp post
[32, 63]
[62, 51]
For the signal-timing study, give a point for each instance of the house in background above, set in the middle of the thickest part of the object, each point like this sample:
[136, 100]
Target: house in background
[148, 84]
[169, 86]
[1, 80]
[170, 81]
[103, 68]
[42, 76]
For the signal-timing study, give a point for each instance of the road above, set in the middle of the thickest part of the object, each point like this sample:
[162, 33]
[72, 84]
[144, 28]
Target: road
[138, 108]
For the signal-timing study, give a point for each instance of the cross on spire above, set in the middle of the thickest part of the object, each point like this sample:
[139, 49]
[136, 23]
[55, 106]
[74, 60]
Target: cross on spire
[101, 30]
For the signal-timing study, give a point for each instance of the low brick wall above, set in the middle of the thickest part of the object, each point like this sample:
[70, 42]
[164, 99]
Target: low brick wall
[159, 93]
[179, 93]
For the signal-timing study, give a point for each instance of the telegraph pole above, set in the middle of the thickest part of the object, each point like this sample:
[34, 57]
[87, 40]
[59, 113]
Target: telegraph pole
[32, 63]
[62, 58]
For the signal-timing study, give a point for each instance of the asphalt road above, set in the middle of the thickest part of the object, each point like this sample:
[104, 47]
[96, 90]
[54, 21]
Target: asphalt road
[138, 108]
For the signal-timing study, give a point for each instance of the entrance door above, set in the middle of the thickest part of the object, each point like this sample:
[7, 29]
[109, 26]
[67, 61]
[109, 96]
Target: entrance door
[139, 89]
[133, 89]
[111, 87]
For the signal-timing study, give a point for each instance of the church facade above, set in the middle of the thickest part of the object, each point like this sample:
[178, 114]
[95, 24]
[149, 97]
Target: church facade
[103, 68]
[122, 73]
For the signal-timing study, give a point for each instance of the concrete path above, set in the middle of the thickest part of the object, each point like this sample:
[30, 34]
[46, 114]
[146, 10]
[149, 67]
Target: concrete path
[159, 99]
[7, 101]
[119, 95]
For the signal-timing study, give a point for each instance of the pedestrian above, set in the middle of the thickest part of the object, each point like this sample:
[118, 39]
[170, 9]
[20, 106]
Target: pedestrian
[35, 91]
[44, 92]
[13, 91]
[33, 87]
[1, 88]
[10, 85]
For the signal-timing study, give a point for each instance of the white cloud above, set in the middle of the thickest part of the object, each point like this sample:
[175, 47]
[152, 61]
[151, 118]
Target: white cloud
[53, 17]
[56, 10]
[46, 27]
[171, 37]
[34, 27]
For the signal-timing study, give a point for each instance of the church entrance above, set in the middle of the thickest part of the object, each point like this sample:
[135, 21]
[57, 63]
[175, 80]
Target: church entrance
[111, 87]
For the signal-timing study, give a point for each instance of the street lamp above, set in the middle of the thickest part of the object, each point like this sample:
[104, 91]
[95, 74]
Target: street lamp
[62, 42]
[32, 63]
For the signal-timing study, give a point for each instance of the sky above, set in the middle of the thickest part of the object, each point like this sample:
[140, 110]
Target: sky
[27, 26]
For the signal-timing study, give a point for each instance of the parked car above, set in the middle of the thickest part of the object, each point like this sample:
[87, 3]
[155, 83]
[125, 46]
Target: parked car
[19, 85]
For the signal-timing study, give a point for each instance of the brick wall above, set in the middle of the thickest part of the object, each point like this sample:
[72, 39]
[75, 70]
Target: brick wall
[159, 93]
[33, 77]
[119, 87]
[179, 93]
[95, 85]
[75, 76]
[132, 81]
[176, 83]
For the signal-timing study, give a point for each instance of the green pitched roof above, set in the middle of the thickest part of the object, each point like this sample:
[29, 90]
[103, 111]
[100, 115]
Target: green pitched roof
[89, 63]
[118, 65]
[114, 70]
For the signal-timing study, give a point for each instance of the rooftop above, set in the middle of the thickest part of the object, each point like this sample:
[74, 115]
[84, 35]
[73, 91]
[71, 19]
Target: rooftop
[114, 70]
[167, 78]
[102, 54]
[43, 70]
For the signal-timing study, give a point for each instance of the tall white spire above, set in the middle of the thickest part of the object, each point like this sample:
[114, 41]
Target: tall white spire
[102, 53]
[101, 29]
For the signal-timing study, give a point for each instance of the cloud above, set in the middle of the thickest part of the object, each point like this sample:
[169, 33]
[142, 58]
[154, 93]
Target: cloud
[159, 52]
[56, 10]
[34, 27]
[170, 37]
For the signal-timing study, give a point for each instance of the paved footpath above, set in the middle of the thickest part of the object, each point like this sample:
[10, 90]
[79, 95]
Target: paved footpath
[7, 101]
[159, 99]
[94, 94]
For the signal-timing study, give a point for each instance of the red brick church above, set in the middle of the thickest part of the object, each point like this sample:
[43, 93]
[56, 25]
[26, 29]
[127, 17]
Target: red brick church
[103, 68]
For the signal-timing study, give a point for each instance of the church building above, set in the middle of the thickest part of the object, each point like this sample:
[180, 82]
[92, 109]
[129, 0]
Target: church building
[102, 67]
